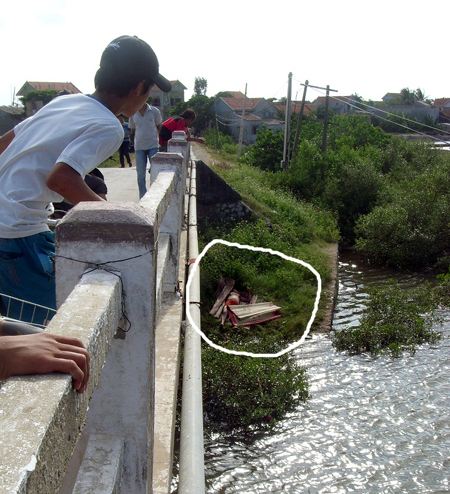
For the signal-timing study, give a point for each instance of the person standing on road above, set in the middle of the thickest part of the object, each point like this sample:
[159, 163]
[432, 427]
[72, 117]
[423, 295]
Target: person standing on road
[146, 124]
[124, 150]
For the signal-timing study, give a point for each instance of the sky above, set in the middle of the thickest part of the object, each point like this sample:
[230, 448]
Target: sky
[368, 48]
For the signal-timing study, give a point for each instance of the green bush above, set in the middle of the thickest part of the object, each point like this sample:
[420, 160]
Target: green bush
[395, 320]
[411, 229]
[241, 391]
[267, 153]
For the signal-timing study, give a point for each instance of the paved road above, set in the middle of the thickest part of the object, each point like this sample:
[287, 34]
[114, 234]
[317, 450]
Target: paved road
[122, 184]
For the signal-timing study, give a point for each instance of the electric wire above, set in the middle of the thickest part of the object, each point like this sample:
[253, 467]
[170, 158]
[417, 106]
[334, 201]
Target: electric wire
[372, 113]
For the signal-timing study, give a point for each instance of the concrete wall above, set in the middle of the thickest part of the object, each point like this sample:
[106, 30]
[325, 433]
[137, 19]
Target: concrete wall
[216, 199]
[129, 253]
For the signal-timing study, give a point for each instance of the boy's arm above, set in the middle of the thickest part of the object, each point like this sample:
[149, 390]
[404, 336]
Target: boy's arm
[5, 140]
[43, 353]
[67, 182]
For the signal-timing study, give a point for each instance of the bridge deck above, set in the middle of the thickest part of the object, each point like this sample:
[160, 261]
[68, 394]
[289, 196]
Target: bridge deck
[122, 186]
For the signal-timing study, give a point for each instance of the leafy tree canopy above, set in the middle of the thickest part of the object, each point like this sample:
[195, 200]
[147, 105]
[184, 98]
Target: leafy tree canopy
[200, 86]
[45, 95]
[202, 106]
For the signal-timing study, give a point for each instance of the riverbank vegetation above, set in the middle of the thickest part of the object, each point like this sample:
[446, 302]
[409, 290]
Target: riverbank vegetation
[390, 200]
[239, 390]
[394, 321]
[390, 196]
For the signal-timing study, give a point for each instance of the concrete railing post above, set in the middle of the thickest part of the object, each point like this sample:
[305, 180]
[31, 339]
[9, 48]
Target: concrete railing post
[178, 144]
[120, 238]
[171, 225]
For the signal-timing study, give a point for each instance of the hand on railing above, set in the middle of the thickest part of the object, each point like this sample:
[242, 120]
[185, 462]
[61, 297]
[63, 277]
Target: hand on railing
[44, 353]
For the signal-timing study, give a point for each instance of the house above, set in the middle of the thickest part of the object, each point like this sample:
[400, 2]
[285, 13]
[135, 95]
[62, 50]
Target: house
[337, 104]
[420, 110]
[443, 105]
[32, 106]
[165, 102]
[295, 108]
[391, 96]
[42, 86]
[10, 116]
[257, 112]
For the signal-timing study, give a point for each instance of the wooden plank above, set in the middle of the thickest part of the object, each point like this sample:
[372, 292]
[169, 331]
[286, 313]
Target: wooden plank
[259, 319]
[224, 294]
[250, 310]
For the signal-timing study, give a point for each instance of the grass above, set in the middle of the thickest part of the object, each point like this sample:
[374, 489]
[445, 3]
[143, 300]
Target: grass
[241, 391]
[111, 163]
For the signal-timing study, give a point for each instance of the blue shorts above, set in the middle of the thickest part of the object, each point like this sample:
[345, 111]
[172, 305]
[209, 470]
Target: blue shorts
[27, 272]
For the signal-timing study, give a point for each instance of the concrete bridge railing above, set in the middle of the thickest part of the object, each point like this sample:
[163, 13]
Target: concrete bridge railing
[119, 267]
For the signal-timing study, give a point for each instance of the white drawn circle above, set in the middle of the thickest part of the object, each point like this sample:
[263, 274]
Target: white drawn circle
[292, 346]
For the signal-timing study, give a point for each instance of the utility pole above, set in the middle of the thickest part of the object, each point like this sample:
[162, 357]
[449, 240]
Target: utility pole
[287, 125]
[300, 118]
[241, 131]
[325, 123]
[217, 126]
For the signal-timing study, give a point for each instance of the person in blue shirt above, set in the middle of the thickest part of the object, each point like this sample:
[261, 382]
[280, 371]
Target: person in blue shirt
[124, 150]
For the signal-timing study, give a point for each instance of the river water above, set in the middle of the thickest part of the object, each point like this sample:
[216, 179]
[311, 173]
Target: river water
[372, 425]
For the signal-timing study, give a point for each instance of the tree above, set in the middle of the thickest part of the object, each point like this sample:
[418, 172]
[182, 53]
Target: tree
[202, 106]
[200, 86]
[407, 96]
[420, 95]
[357, 101]
[44, 95]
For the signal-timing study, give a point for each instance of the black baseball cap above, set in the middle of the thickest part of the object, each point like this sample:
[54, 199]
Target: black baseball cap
[131, 55]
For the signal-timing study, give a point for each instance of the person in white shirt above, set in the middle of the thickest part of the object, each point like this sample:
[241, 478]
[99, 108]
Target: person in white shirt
[146, 124]
[45, 158]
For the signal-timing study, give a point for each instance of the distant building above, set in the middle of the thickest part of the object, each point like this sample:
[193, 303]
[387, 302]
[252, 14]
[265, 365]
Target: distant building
[391, 96]
[337, 104]
[165, 102]
[41, 86]
[257, 112]
[10, 116]
[296, 107]
[443, 105]
[31, 107]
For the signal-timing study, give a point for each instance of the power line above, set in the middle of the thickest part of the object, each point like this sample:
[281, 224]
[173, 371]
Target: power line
[379, 110]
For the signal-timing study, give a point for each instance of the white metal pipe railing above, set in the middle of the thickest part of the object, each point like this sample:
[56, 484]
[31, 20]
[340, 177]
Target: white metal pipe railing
[192, 472]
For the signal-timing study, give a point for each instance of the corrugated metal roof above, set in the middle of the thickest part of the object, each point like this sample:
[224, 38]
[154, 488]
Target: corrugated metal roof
[12, 110]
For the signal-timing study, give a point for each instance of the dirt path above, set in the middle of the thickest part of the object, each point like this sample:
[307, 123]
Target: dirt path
[200, 152]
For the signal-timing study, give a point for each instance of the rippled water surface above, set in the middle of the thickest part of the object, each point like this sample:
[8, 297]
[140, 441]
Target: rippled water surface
[372, 425]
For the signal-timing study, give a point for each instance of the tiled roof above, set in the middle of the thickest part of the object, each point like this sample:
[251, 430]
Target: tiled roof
[441, 101]
[58, 86]
[12, 110]
[156, 88]
[235, 94]
[392, 95]
[250, 117]
[334, 99]
[238, 103]
[296, 106]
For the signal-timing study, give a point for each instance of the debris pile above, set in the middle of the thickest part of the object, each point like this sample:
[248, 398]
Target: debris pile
[241, 307]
